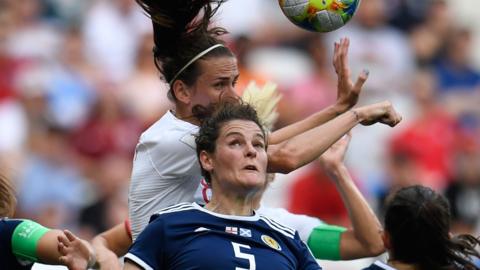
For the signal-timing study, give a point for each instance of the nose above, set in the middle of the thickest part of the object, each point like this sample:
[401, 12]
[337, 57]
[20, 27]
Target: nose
[251, 152]
[230, 92]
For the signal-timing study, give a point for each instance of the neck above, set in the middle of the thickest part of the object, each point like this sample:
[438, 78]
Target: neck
[230, 204]
[185, 114]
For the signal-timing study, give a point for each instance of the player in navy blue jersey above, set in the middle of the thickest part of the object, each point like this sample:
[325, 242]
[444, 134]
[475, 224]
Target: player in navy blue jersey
[226, 233]
[417, 234]
[23, 242]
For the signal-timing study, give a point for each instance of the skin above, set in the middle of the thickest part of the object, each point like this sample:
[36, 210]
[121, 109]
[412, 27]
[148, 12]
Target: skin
[218, 77]
[234, 184]
[110, 243]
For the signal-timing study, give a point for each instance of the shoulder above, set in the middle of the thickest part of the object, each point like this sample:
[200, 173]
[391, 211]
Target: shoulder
[301, 223]
[278, 227]
[7, 224]
[285, 217]
[177, 209]
[168, 125]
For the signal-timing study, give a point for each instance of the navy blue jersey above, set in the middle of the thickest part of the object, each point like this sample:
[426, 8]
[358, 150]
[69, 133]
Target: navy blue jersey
[378, 265]
[7, 259]
[187, 236]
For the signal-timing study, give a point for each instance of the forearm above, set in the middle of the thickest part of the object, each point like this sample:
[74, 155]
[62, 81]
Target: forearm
[308, 146]
[366, 227]
[308, 123]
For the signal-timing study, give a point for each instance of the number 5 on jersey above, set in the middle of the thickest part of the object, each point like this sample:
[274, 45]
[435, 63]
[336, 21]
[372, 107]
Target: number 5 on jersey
[243, 255]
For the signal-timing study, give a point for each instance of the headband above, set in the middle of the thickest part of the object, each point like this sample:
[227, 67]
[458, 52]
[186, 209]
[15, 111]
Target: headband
[198, 56]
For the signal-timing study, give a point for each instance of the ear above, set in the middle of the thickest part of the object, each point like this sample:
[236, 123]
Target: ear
[386, 240]
[206, 161]
[182, 92]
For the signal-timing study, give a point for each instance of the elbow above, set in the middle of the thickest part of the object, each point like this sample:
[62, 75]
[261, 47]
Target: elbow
[374, 249]
[284, 161]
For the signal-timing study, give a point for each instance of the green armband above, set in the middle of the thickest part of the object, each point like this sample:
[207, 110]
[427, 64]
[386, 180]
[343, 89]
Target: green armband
[324, 241]
[25, 240]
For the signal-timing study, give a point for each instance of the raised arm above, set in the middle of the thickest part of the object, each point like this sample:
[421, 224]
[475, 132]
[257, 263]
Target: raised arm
[347, 97]
[306, 147]
[364, 239]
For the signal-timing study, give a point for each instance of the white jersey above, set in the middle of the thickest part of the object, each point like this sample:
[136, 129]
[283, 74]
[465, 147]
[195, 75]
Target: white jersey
[165, 170]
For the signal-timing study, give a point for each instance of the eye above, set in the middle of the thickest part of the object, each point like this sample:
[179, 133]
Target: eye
[259, 145]
[235, 143]
[221, 85]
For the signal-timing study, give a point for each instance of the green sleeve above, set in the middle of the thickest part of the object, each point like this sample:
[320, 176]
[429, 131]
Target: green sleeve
[324, 241]
[25, 240]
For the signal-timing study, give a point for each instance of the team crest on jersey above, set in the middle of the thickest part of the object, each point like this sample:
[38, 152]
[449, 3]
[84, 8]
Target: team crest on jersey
[271, 242]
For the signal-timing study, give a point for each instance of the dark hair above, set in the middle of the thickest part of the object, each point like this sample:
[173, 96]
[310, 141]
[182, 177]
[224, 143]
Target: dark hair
[7, 197]
[418, 222]
[216, 115]
[181, 31]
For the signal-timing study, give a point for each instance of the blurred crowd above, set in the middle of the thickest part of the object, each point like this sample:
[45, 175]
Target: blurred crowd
[78, 86]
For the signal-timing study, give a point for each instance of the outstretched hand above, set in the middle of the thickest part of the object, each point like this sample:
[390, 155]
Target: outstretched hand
[347, 92]
[333, 158]
[77, 254]
[381, 112]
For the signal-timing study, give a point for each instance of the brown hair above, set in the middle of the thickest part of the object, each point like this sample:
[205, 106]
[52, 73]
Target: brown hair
[7, 197]
[228, 109]
[181, 31]
[417, 220]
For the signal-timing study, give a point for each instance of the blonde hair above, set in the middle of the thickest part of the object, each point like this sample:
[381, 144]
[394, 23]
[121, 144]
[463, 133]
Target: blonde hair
[7, 197]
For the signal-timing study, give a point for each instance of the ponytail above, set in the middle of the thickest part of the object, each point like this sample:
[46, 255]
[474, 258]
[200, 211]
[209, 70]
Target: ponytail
[181, 31]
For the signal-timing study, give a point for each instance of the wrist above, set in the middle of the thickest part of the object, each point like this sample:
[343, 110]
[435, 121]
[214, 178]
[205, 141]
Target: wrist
[92, 261]
[339, 108]
[357, 113]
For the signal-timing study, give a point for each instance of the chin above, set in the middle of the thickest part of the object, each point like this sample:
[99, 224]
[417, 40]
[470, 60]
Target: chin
[253, 182]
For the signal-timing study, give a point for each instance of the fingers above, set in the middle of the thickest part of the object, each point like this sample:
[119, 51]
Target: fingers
[336, 63]
[397, 118]
[62, 248]
[340, 56]
[344, 44]
[362, 78]
[63, 240]
[70, 235]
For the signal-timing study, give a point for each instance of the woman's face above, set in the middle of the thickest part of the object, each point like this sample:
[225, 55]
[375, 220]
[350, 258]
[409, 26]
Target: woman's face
[239, 162]
[218, 77]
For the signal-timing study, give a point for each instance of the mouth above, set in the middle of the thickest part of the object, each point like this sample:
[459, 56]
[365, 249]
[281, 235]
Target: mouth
[251, 168]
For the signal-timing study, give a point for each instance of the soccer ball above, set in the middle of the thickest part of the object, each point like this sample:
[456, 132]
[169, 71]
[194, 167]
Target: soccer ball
[319, 15]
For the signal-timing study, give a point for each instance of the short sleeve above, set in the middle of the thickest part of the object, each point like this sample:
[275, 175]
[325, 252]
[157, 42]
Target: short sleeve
[147, 251]
[304, 255]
